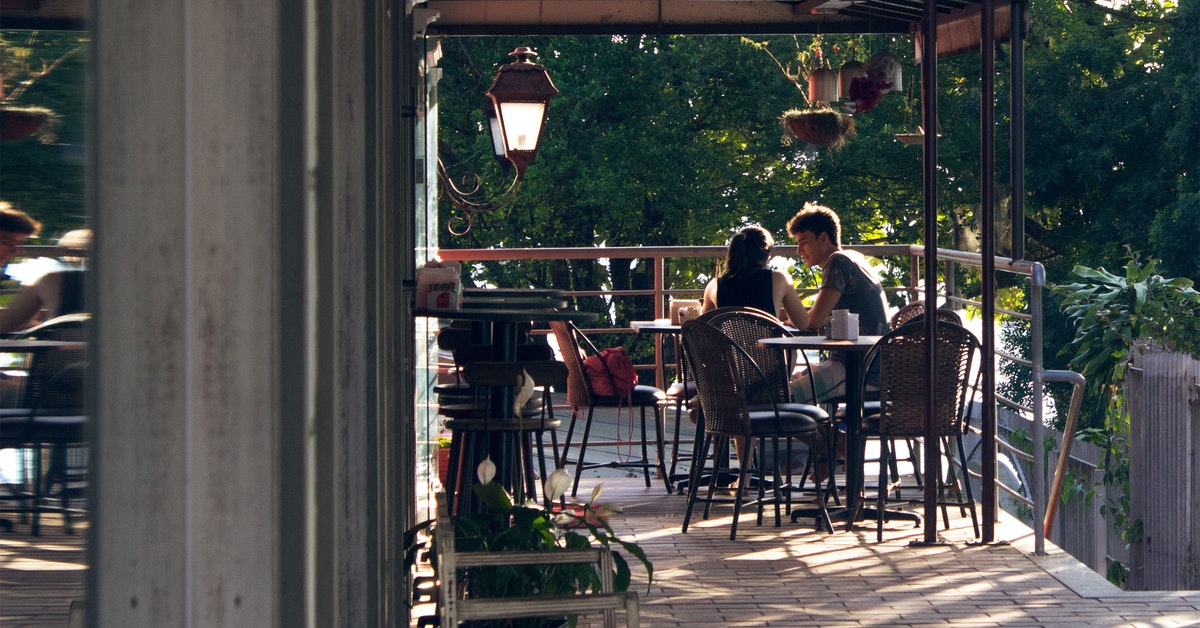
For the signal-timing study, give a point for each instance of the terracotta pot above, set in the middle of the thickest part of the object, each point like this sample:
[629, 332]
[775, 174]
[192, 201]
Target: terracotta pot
[443, 463]
[820, 127]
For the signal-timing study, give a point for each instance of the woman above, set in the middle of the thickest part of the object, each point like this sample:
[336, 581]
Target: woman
[748, 282]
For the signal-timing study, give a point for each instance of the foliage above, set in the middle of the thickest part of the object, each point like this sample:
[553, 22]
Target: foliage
[44, 174]
[1112, 312]
[504, 526]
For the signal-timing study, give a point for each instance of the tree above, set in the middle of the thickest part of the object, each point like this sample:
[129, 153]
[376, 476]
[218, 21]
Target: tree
[44, 174]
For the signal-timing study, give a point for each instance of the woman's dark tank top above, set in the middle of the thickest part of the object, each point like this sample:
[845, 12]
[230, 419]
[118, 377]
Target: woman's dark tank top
[753, 290]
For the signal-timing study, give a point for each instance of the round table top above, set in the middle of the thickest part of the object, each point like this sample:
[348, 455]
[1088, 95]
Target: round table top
[862, 343]
[509, 315]
[513, 292]
[513, 302]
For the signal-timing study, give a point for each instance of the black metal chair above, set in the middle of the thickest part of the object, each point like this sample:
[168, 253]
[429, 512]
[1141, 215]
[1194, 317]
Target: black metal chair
[50, 420]
[901, 411]
[511, 437]
[724, 372]
[575, 348]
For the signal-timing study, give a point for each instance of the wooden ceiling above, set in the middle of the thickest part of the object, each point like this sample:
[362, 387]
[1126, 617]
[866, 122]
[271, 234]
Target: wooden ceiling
[564, 17]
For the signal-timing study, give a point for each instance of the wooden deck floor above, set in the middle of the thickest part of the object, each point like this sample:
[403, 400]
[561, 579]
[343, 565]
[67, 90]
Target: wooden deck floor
[41, 575]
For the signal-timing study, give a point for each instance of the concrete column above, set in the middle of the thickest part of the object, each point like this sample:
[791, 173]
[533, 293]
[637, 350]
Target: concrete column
[237, 383]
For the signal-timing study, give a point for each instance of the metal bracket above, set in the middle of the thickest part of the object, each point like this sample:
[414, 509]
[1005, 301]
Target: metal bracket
[421, 19]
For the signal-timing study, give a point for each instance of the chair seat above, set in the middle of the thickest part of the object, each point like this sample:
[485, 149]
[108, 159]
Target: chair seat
[524, 425]
[685, 389]
[817, 413]
[768, 423]
[640, 396]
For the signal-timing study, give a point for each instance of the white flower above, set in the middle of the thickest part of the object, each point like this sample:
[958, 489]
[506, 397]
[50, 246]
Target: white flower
[596, 493]
[524, 392]
[486, 470]
[557, 484]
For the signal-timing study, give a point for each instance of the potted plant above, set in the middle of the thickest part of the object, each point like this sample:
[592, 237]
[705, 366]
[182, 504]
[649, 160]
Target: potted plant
[506, 526]
[821, 126]
[443, 456]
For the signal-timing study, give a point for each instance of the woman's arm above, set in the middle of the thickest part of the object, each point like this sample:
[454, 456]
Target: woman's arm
[786, 293]
[710, 297]
[20, 309]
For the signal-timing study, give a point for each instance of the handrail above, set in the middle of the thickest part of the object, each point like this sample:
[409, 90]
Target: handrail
[1077, 380]
[660, 291]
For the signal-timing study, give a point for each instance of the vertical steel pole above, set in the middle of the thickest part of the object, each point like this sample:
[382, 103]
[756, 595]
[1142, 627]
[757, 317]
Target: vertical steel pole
[929, 172]
[987, 146]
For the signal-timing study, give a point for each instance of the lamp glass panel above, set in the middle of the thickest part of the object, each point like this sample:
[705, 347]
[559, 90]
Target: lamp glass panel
[522, 122]
[497, 137]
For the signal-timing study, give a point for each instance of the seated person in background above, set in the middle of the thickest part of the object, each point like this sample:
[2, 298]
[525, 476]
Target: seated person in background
[16, 227]
[53, 294]
[748, 282]
[847, 283]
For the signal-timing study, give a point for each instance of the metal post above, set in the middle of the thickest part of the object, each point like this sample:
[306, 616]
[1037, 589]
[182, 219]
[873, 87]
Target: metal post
[987, 167]
[929, 109]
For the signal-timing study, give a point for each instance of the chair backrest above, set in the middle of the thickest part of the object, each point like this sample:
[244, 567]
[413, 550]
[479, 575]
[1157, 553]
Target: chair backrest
[713, 363]
[906, 313]
[746, 326]
[579, 388]
[55, 380]
[543, 372]
[915, 311]
[902, 381]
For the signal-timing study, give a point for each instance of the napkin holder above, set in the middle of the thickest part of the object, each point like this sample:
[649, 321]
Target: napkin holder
[439, 286]
[683, 310]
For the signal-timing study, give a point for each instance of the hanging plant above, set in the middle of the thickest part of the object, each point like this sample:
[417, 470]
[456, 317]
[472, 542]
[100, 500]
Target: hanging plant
[819, 127]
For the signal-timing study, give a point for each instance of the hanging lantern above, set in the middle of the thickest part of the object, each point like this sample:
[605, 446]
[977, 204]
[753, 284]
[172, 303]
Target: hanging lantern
[850, 71]
[822, 86]
[884, 68]
[520, 93]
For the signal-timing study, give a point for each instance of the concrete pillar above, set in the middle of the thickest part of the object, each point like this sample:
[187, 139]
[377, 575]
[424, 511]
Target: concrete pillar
[246, 352]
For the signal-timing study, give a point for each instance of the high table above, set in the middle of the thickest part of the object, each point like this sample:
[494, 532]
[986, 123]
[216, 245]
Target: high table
[500, 327]
[664, 328]
[854, 351]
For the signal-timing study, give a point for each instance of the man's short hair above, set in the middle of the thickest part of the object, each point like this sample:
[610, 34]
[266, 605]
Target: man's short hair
[13, 220]
[817, 219]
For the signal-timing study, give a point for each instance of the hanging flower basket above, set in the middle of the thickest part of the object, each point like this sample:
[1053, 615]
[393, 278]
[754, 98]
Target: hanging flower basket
[19, 122]
[819, 127]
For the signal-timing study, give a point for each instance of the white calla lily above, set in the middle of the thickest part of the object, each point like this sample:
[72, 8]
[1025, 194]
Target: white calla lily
[486, 470]
[596, 493]
[524, 392]
[557, 484]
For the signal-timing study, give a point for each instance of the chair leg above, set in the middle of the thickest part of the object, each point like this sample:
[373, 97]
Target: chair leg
[562, 460]
[884, 488]
[966, 478]
[701, 450]
[587, 430]
[675, 438]
[743, 469]
[645, 450]
[660, 442]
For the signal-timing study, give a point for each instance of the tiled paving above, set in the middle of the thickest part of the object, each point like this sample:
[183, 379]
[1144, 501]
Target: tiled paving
[40, 576]
[795, 576]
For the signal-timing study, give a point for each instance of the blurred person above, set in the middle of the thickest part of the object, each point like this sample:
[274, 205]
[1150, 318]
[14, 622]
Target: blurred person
[53, 294]
[16, 228]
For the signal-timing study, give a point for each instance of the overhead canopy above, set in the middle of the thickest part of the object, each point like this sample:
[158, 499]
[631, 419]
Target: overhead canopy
[605, 17]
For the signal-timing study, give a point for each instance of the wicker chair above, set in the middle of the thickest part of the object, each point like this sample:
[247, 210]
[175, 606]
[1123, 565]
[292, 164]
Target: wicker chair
[723, 371]
[575, 348]
[901, 411]
[746, 326]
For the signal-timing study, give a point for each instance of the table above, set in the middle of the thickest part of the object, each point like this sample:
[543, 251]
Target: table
[854, 351]
[664, 327]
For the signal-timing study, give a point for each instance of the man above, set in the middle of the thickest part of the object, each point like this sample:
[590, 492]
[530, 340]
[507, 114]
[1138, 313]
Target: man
[16, 227]
[847, 283]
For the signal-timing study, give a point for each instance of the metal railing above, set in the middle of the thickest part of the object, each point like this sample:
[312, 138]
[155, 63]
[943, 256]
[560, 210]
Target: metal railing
[899, 256]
